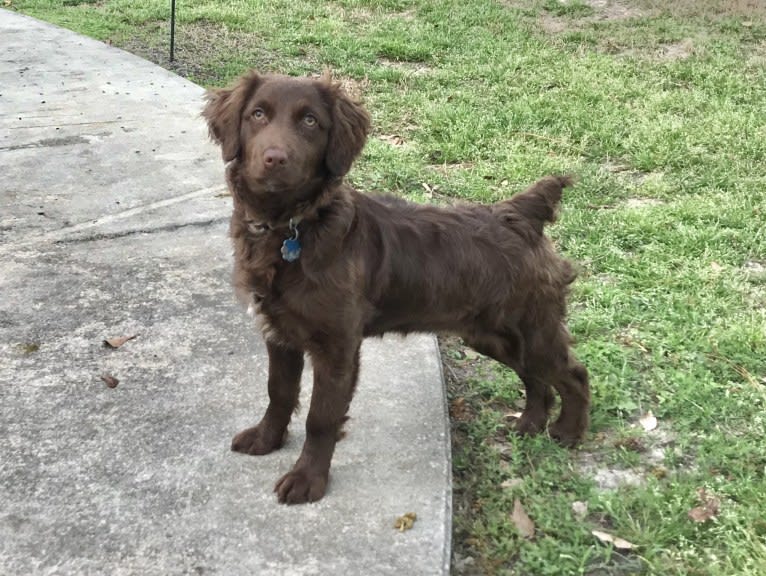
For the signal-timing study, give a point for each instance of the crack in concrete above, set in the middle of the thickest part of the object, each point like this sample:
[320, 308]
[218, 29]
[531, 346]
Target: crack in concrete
[56, 236]
[48, 142]
[61, 124]
[135, 232]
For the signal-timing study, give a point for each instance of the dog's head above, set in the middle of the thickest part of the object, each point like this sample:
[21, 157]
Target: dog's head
[288, 134]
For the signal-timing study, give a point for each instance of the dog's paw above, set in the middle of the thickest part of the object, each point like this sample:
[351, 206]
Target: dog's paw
[257, 440]
[566, 434]
[531, 423]
[300, 485]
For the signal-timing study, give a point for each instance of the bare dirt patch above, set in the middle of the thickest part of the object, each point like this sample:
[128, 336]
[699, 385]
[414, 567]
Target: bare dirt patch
[553, 24]
[448, 169]
[613, 10]
[626, 172]
[714, 8]
[414, 68]
[650, 446]
[357, 15]
[203, 49]
[638, 203]
[751, 13]
[757, 56]
[600, 11]
[677, 50]
[407, 15]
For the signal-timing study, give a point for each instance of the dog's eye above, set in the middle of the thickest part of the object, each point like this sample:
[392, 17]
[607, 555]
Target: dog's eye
[258, 113]
[310, 120]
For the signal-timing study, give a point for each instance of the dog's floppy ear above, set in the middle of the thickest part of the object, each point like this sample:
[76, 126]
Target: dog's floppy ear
[223, 113]
[350, 125]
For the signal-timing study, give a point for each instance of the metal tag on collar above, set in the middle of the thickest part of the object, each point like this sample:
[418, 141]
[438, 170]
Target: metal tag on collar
[291, 247]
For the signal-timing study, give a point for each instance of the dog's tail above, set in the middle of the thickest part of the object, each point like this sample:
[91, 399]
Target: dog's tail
[539, 203]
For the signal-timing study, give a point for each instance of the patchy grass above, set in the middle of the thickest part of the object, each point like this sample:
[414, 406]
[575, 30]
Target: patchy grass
[660, 108]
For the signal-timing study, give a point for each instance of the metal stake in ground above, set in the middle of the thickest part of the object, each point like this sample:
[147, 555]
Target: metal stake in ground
[172, 29]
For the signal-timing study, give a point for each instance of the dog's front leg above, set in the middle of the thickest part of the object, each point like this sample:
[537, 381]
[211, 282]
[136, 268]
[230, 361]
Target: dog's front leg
[285, 369]
[335, 374]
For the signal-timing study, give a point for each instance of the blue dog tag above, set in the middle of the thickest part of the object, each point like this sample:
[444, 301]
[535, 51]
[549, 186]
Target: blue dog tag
[291, 247]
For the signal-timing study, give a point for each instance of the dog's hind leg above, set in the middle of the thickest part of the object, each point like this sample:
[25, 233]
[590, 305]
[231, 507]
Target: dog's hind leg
[551, 361]
[285, 369]
[509, 350]
[572, 385]
[540, 400]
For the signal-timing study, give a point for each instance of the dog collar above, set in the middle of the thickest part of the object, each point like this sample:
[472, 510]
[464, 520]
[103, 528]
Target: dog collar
[291, 246]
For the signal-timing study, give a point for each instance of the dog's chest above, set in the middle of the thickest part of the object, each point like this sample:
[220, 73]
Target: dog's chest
[273, 288]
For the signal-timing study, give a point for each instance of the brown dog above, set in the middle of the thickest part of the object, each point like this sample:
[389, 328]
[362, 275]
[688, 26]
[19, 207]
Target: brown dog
[325, 266]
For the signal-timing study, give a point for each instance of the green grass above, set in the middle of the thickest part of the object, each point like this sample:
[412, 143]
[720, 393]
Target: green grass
[661, 112]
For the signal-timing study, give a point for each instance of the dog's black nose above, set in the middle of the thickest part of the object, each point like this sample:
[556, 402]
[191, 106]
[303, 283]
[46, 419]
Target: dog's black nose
[274, 157]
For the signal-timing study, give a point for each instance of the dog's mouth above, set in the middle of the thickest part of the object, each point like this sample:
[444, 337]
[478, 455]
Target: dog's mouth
[283, 185]
[274, 189]
[275, 198]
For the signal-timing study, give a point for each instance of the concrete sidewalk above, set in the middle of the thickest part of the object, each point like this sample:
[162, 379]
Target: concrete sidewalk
[113, 222]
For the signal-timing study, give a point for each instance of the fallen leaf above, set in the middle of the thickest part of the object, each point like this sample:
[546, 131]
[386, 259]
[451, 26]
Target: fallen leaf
[110, 380]
[29, 347]
[393, 139]
[117, 342]
[513, 415]
[700, 514]
[648, 421]
[632, 444]
[523, 523]
[659, 472]
[627, 340]
[617, 542]
[405, 522]
[459, 410]
[747, 23]
[580, 509]
[710, 507]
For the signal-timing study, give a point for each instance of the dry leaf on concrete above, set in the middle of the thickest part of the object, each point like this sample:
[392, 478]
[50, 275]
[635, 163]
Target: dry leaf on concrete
[523, 523]
[615, 541]
[29, 348]
[110, 380]
[405, 522]
[118, 341]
